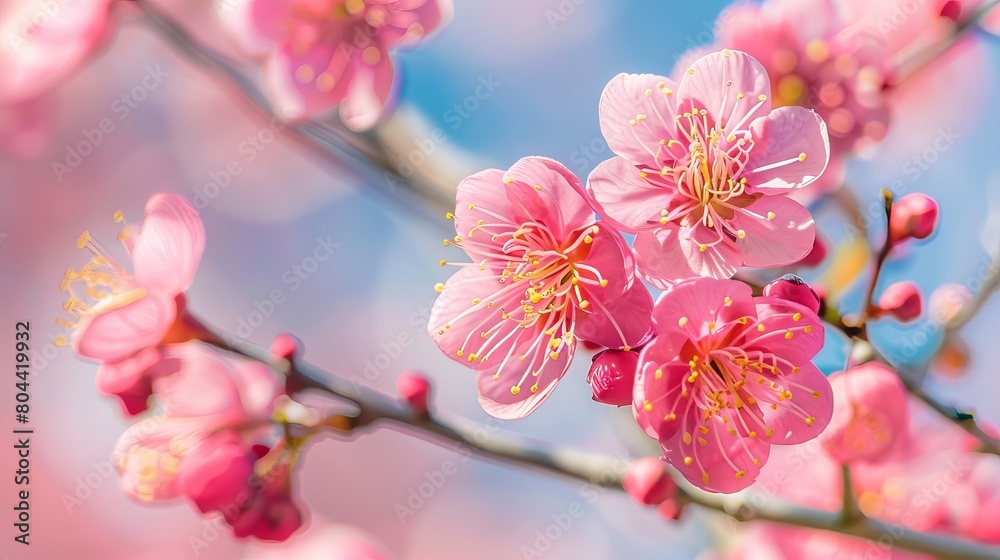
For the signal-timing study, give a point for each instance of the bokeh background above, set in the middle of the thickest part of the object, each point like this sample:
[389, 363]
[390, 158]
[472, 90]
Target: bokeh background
[362, 312]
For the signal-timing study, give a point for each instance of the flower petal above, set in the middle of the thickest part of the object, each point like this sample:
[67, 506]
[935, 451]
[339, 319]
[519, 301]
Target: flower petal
[797, 418]
[636, 112]
[120, 332]
[542, 190]
[715, 455]
[129, 379]
[481, 201]
[368, 92]
[168, 246]
[691, 305]
[515, 389]
[619, 321]
[624, 198]
[787, 329]
[791, 149]
[149, 453]
[304, 84]
[657, 400]
[474, 302]
[730, 85]
[778, 231]
[668, 254]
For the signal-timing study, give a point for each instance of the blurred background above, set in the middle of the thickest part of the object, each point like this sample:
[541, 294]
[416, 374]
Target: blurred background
[362, 313]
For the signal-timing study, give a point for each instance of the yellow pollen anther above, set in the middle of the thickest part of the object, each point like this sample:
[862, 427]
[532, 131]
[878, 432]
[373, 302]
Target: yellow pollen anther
[670, 416]
[810, 420]
[740, 474]
[702, 248]
[687, 438]
[442, 262]
[769, 432]
[816, 394]
[554, 355]
[515, 390]
[647, 406]
[682, 321]
[770, 216]
[118, 217]
[476, 300]
[584, 304]
[632, 121]
[664, 220]
[704, 478]
[796, 369]
[807, 329]
[688, 461]
[658, 374]
[788, 335]
[61, 341]
[741, 234]
[648, 92]
[588, 239]
[761, 328]
[802, 156]
[796, 316]
[439, 287]
[727, 301]
[82, 241]
[762, 97]
[604, 282]
[752, 434]
[534, 388]
[449, 216]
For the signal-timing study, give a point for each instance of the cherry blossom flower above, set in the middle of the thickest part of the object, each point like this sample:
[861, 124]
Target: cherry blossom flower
[322, 53]
[122, 309]
[544, 274]
[45, 41]
[913, 216]
[870, 413]
[728, 376]
[212, 443]
[704, 167]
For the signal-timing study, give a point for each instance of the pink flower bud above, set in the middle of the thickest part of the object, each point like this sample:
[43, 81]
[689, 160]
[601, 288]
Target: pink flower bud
[915, 215]
[792, 288]
[902, 300]
[870, 413]
[218, 472]
[285, 346]
[415, 390]
[817, 254]
[648, 482]
[611, 376]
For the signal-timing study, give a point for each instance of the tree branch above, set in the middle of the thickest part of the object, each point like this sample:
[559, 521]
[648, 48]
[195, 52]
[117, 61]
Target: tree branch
[377, 409]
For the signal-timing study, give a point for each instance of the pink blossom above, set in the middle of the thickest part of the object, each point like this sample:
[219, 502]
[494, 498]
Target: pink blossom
[203, 394]
[611, 376]
[648, 482]
[543, 274]
[913, 216]
[44, 41]
[415, 390]
[704, 167]
[122, 309]
[794, 289]
[325, 541]
[727, 376]
[870, 413]
[902, 301]
[322, 53]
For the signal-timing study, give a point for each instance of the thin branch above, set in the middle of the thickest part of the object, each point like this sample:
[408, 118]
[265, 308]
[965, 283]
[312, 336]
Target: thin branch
[867, 305]
[377, 408]
[850, 512]
[364, 154]
[989, 285]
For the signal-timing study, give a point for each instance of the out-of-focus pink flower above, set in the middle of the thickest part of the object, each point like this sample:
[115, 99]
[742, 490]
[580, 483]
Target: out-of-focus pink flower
[323, 53]
[122, 309]
[816, 59]
[913, 216]
[704, 167]
[203, 395]
[947, 301]
[767, 541]
[611, 376]
[543, 274]
[415, 389]
[648, 482]
[902, 300]
[794, 289]
[131, 379]
[870, 413]
[727, 376]
[991, 22]
[818, 253]
[44, 41]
